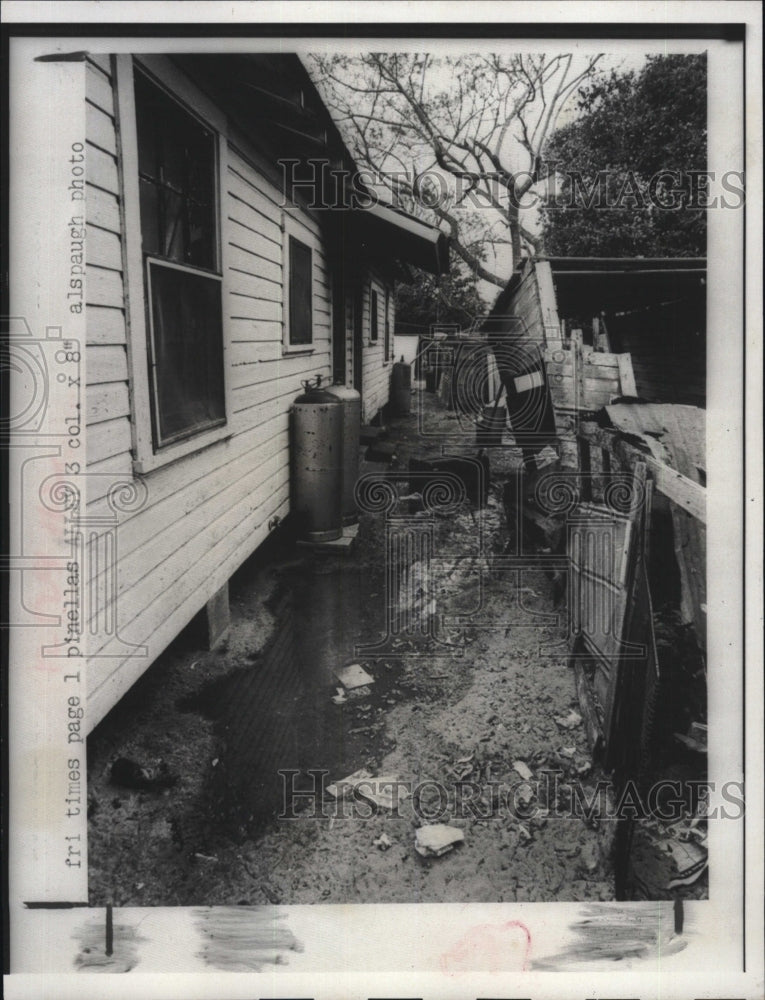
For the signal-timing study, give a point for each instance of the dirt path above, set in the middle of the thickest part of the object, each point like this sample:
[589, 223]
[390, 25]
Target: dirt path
[224, 722]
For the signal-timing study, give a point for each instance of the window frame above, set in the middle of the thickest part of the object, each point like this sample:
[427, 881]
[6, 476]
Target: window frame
[374, 314]
[148, 452]
[387, 332]
[294, 229]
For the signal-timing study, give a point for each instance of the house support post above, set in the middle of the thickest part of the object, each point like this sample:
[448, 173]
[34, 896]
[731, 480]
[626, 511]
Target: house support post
[218, 617]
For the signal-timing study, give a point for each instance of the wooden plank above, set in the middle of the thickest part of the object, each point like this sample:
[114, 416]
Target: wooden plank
[260, 331]
[107, 401]
[626, 375]
[686, 437]
[576, 347]
[108, 439]
[254, 213]
[98, 89]
[98, 486]
[603, 360]
[560, 368]
[547, 302]
[587, 706]
[609, 375]
[248, 262]
[684, 492]
[262, 311]
[106, 364]
[105, 325]
[102, 169]
[103, 287]
[599, 387]
[102, 209]
[103, 248]
[99, 129]
[271, 352]
[262, 194]
[102, 60]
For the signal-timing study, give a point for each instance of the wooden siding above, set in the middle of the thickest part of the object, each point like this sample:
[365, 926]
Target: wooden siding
[376, 367]
[106, 378]
[205, 513]
[526, 305]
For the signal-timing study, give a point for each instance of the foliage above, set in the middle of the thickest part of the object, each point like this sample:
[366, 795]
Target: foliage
[631, 128]
[452, 298]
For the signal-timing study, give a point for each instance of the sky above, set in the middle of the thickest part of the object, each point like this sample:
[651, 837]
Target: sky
[441, 77]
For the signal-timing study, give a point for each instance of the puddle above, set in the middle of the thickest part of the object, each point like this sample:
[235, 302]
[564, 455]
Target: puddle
[277, 715]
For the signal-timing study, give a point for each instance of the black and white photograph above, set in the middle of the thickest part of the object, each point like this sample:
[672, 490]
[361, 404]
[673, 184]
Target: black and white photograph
[382, 441]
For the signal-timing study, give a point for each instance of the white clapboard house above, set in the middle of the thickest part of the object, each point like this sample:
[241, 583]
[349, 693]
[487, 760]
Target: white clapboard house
[230, 256]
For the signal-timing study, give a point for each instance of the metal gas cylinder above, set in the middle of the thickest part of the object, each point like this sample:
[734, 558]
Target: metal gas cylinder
[401, 388]
[317, 463]
[351, 401]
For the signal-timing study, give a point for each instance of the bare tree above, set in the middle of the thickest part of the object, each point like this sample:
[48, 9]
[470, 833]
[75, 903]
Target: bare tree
[461, 137]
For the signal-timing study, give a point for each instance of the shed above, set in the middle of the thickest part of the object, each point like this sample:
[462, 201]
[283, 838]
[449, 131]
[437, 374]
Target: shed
[651, 308]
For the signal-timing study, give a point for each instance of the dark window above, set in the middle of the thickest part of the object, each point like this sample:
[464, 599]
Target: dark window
[373, 307]
[387, 325]
[176, 171]
[187, 344]
[301, 309]
[179, 232]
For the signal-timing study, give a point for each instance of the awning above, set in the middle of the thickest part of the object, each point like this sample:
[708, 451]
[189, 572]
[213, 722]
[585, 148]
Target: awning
[586, 285]
[271, 98]
[386, 233]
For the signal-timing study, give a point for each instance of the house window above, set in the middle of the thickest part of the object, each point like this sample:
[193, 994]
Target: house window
[300, 294]
[387, 325]
[373, 324]
[177, 178]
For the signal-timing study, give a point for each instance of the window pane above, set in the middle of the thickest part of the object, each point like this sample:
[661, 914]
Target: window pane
[387, 325]
[187, 342]
[149, 216]
[300, 293]
[178, 154]
[373, 308]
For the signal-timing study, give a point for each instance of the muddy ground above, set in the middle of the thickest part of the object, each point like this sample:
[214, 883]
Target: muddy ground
[217, 727]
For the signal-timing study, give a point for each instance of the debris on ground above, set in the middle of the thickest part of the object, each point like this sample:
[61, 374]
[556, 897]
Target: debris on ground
[463, 767]
[524, 795]
[523, 769]
[340, 698]
[589, 856]
[128, 774]
[437, 839]
[340, 789]
[572, 720]
[383, 842]
[695, 738]
[385, 792]
[353, 676]
[525, 833]
[690, 860]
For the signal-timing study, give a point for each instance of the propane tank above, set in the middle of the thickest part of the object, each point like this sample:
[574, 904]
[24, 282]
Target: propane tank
[317, 463]
[401, 388]
[351, 401]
